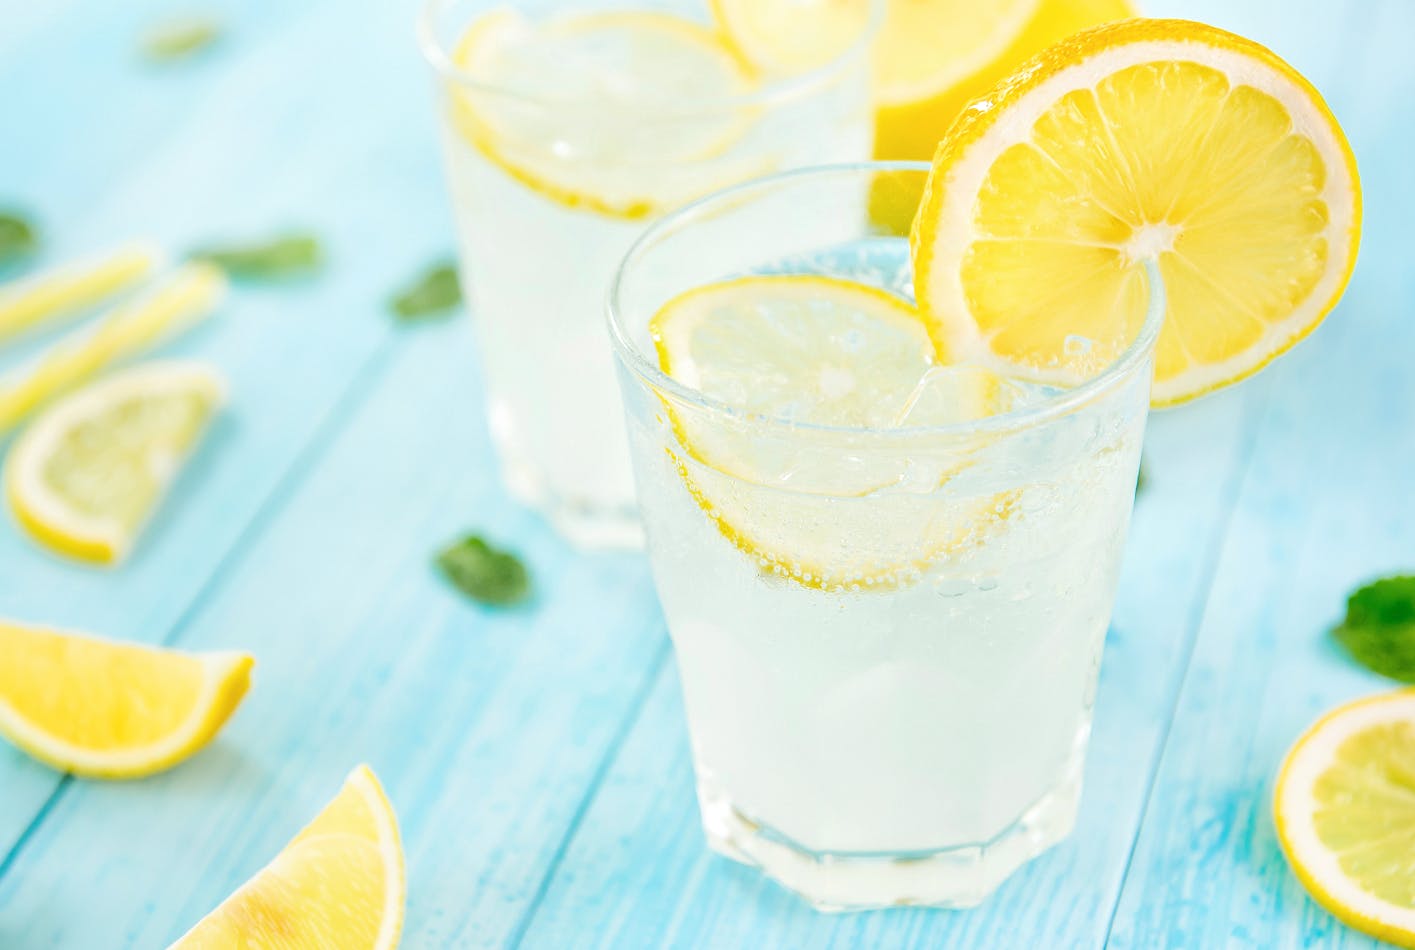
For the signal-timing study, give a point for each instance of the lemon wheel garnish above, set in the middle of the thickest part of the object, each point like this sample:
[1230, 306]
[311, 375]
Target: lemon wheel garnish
[1147, 139]
[339, 883]
[86, 475]
[823, 507]
[1345, 814]
[597, 111]
[107, 709]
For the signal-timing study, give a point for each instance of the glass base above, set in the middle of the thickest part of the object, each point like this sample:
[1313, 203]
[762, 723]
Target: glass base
[957, 876]
[585, 523]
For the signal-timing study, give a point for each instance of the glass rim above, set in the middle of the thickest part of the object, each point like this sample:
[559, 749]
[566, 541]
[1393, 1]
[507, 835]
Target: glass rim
[779, 90]
[1031, 415]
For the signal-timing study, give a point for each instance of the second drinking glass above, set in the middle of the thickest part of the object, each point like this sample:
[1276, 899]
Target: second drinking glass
[566, 128]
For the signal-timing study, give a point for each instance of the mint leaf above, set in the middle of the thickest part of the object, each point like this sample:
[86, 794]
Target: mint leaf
[484, 573]
[17, 236]
[436, 291]
[179, 38]
[1379, 629]
[1140, 478]
[289, 255]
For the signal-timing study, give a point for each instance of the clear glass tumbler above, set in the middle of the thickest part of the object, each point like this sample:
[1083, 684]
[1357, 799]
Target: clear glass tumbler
[567, 126]
[914, 736]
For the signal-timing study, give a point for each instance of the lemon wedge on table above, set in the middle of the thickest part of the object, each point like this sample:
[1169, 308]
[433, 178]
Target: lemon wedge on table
[107, 709]
[31, 301]
[87, 474]
[819, 507]
[569, 118]
[931, 56]
[338, 883]
[1345, 814]
[1143, 140]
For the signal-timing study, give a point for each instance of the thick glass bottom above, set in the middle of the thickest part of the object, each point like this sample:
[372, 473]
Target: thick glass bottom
[957, 876]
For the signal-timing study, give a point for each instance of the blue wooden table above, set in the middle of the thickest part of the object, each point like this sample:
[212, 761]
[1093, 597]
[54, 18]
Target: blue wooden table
[538, 757]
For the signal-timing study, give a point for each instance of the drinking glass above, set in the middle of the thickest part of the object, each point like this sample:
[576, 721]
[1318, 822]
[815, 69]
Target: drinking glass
[916, 734]
[549, 188]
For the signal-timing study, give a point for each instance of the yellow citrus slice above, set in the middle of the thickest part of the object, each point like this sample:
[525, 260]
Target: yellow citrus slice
[1345, 814]
[829, 507]
[172, 305]
[87, 474]
[1143, 140]
[62, 291]
[603, 112]
[339, 883]
[106, 709]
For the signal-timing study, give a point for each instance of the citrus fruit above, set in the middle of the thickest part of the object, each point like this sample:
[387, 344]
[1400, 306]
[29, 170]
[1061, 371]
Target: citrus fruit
[1345, 814]
[107, 709]
[338, 883]
[65, 290]
[1146, 140]
[595, 111]
[86, 475]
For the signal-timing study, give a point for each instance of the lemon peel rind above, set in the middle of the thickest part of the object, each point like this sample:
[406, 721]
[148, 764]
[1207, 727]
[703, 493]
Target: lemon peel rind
[1038, 84]
[227, 679]
[1314, 865]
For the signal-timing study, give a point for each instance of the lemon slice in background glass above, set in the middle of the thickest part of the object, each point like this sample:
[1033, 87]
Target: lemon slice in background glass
[599, 112]
[824, 504]
[1345, 814]
[339, 883]
[1160, 140]
[87, 474]
[106, 709]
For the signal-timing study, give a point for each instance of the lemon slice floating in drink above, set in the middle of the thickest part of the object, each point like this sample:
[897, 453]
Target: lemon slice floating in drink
[1147, 139]
[568, 119]
[107, 709]
[339, 883]
[838, 361]
[87, 474]
[1345, 813]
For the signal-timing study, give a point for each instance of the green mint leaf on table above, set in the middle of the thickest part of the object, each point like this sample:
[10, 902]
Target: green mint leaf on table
[290, 255]
[1379, 629]
[484, 573]
[435, 292]
[179, 38]
[1140, 478]
[17, 236]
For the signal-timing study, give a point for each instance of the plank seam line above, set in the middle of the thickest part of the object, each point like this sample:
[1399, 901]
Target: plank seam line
[1232, 491]
[611, 753]
[284, 488]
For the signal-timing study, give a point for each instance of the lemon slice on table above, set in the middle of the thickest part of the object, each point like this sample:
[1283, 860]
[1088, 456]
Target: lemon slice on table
[87, 474]
[820, 505]
[62, 291]
[1345, 814]
[107, 709]
[604, 112]
[931, 57]
[1147, 139]
[339, 883]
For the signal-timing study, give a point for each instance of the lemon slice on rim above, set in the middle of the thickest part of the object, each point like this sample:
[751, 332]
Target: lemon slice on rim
[1345, 814]
[86, 475]
[107, 709]
[1147, 139]
[339, 883]
[823, 504]
[603, 112]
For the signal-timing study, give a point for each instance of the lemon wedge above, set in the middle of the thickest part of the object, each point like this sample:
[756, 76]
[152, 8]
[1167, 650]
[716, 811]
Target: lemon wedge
[106, 709]
[568, 119]
[828, 507]
[1144, 140]
[1345, 814]
[339, 883]
[172, 305]
[31, 301]
[86, 475]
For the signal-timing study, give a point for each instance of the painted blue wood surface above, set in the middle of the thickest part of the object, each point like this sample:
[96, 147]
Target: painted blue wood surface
[538, 757]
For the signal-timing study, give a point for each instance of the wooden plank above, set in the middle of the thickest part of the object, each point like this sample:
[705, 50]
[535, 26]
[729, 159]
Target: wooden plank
[487, 727]
[284, 138]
